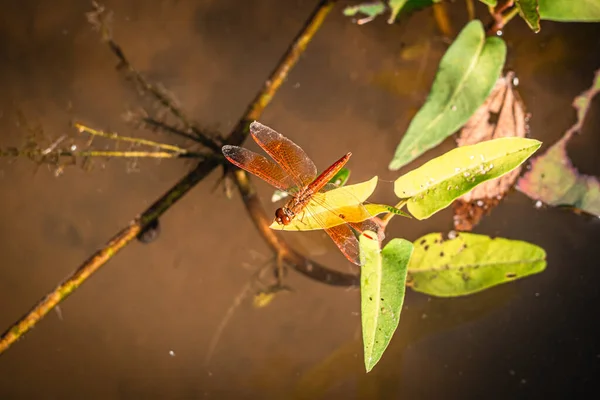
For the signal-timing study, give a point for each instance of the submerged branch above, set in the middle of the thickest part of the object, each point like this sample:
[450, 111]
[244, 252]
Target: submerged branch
[277, 77]
[301, 264]
[161, 205]
[100, 20]
[63, 290]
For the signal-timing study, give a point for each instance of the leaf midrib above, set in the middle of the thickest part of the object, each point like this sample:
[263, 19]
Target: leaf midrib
[443, 181]
[479, 265]
[454, 94]
[377, 309]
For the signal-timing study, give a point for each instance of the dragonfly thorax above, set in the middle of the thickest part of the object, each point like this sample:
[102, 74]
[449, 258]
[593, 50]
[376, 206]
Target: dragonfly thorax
[284, 215]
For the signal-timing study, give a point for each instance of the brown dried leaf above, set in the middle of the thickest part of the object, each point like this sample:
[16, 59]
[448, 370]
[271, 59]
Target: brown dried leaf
[502, 115]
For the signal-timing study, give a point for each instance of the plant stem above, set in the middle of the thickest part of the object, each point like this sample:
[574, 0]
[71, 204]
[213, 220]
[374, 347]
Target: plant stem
[125, 154]
[114, 136]
[499, 18]
[287, 254]
[387, 217]
[470, 9]
[509, 15]
[440, 15]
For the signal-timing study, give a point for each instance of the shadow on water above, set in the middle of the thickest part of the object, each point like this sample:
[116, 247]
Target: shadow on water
[141, 328]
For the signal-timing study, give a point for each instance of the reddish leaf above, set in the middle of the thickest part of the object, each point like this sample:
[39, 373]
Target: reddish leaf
[553, 179]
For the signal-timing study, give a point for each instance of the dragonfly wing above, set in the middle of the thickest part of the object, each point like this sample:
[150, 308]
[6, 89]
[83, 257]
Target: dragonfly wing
[260, 166]
[346, 241]
[369, 225]
[345, 238]
[286, 153]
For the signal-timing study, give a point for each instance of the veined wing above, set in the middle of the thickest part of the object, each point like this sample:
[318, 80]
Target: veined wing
[286, 153]
[333, 206]
[346, 241]
[260, 166]
[344, 237]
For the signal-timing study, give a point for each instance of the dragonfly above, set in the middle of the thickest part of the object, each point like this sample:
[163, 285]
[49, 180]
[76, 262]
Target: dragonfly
[313, 203]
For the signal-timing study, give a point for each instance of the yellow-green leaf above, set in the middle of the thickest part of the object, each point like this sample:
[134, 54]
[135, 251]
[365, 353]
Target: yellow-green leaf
[395, 7]
[570, 10]
[326, 207]
[466, 76]
[470, 263]
[371, 9]
[434, 185]
[376, 209]
[382, 288]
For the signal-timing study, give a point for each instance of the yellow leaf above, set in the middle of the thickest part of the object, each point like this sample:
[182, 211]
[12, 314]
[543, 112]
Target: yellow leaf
[333, 208]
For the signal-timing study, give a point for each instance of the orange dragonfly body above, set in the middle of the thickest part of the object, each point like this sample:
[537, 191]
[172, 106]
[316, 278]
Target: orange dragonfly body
[295, 173]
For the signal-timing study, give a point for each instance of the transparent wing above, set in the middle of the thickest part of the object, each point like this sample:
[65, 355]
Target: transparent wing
[286, 153]
[345, 237]
[260, 166]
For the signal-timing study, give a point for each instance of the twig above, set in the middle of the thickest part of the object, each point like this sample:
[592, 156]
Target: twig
[237, 301]
[69, 285]
[180, 189]
[155, 124]
[54, 154]
[440, 14]
[280, 247]
[129, 154]
[114, 136]
[500, 19]
[289, 59]
[470, 9]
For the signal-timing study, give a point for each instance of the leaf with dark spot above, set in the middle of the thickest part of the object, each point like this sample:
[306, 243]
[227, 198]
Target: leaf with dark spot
[463, 270]
[383, 276]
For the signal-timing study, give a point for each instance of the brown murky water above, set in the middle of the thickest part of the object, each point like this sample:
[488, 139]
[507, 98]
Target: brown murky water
[142, 327]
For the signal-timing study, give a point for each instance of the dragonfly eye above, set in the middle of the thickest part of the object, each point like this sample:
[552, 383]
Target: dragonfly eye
[281, 217]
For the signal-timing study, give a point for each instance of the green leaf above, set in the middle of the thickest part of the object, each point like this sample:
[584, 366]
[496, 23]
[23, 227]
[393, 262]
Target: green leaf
[466, 76]
[528, 10]
[434, 185]
[382, 288]
[470, 263]
[376, 209]
[491, 3]
[570, 10]
[396, 7]
[371, 9]
[406, 6]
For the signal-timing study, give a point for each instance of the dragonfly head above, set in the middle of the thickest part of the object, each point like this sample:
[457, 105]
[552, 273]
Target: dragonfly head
[283, 216]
